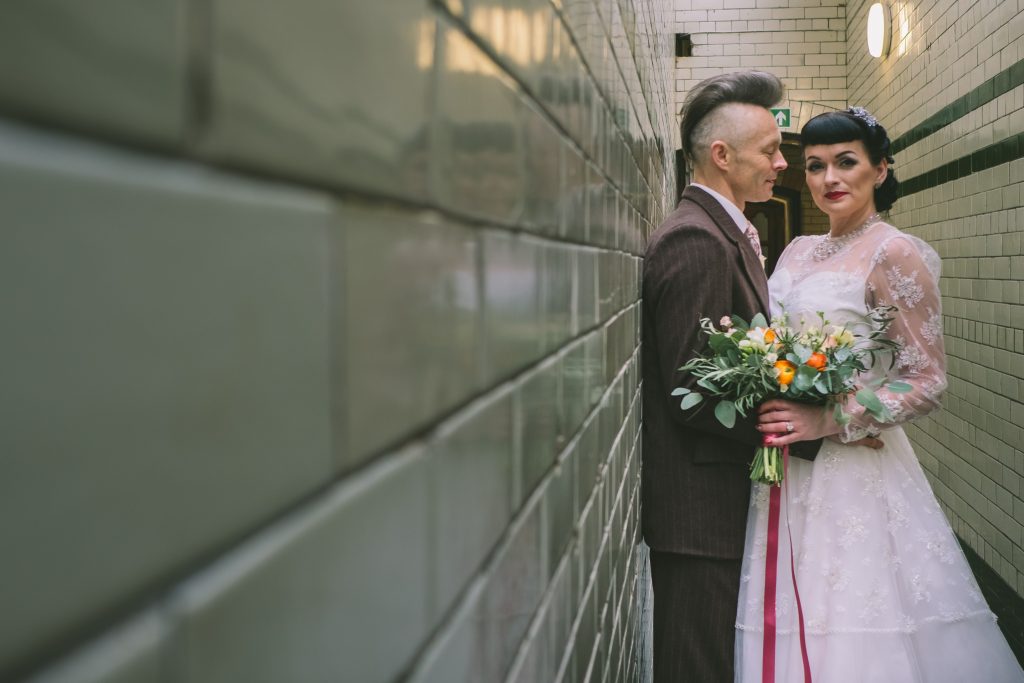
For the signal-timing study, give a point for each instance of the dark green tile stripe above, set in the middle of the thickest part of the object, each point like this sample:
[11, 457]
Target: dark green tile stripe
[1001, 598]
[997, 153]
[1001, 83]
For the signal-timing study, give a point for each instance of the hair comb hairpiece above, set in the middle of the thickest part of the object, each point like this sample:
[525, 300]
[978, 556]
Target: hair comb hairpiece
[863, 114]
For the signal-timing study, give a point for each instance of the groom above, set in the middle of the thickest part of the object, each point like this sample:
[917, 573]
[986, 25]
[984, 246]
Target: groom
[704, 261]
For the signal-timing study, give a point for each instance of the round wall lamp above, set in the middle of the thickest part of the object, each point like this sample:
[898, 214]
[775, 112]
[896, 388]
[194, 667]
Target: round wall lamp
[879, 29]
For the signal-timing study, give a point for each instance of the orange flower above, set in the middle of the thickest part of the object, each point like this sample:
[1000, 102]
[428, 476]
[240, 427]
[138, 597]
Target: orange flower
[785, 371]
[769, 336]
[818, 361]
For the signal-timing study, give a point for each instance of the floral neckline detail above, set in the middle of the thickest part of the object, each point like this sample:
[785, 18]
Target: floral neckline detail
[828, 246]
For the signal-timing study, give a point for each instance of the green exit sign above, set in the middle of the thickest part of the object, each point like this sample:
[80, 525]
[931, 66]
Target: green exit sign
[782, 117]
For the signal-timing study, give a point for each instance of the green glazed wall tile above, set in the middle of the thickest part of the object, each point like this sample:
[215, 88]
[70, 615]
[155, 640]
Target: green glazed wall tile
[478, 162]
[336, 591]
[411, 323]
[171, 332]
[335, 93]
[586, 288]
[513, 593]
[539, 402]
[513, 313]
[574, 386]
[133, 652]
[471, 470]
[560, 504]
[455, 654]
[544, 190]
[112, 67]
[557, 283]
[573, 199]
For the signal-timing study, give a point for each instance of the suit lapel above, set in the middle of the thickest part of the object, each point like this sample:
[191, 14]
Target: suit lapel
[721, 218]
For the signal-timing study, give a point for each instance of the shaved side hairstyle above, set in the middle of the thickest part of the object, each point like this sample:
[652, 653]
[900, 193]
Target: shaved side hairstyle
[742, 87]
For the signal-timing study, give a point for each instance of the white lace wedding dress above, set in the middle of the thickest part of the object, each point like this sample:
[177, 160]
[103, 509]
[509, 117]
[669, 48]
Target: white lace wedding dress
[886, 591]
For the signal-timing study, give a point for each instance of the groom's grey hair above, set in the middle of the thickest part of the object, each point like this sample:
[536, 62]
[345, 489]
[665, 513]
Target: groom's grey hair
[698, 128]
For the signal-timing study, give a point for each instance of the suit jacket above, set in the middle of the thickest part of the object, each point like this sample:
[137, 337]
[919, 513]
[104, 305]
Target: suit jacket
[695, 475]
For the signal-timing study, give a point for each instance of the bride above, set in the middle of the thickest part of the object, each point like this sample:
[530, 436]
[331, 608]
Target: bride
[886, 591]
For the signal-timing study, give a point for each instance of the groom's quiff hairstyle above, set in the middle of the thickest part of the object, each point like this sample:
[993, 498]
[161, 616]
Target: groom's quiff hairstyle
[758, 88]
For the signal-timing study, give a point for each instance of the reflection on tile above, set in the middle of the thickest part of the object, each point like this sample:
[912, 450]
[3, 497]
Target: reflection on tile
[116, 67]
[172, 345]
[337, 591]
[410, 323]
[478, 166]
[513, 321]
[519, 32]
[471, 469]
[344, 105]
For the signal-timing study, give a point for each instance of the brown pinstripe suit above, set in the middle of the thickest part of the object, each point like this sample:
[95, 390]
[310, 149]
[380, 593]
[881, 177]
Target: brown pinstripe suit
[695, 486]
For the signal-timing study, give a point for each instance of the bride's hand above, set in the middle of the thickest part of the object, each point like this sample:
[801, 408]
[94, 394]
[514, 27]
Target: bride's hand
[791, 422]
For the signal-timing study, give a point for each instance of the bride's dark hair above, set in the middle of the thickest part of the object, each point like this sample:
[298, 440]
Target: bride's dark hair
[856, 124]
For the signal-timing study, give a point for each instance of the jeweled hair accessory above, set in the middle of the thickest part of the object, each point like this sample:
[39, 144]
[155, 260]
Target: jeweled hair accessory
[865, 116]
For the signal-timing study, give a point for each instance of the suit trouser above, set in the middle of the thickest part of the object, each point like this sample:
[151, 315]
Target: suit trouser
[694, 617]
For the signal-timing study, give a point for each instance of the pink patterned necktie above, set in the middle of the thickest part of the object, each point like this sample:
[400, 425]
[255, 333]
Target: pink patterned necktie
[755, 239]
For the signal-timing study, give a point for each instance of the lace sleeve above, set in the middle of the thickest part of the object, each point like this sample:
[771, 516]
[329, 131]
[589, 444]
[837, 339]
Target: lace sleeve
[905, 273]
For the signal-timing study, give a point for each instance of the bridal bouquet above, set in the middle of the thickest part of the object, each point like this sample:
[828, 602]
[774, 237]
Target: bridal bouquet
[745, 365]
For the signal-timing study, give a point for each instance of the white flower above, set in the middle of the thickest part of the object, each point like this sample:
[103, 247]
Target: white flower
[845, 338]
[756, 338]
[771, 358]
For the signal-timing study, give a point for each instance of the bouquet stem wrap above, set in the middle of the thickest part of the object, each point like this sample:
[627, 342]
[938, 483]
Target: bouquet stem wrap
[767, 467]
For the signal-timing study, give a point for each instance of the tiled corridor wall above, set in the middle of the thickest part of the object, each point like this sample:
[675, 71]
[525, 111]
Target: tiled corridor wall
[321, 337]
[951, 93]
[803, 42]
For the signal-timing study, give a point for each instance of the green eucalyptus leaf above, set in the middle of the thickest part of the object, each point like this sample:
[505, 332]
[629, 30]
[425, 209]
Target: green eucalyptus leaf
[867, 398]
[759, 321]
[690, 400]
[841, 417]
[725, 411]
[680, 391]
[899, 387]
[739, 323]
[707, 384]
[805, 377]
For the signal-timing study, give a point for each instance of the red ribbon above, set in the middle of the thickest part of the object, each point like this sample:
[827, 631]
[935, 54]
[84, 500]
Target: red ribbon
[771, 579]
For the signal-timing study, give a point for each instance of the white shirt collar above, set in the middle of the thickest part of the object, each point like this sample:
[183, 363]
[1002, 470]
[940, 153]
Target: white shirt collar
[730, 208]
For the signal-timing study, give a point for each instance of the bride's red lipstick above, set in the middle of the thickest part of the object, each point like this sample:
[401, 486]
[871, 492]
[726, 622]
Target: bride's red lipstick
[835, 195]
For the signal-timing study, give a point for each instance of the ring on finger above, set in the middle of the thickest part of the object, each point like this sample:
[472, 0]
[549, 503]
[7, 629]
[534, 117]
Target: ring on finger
[789, 426]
